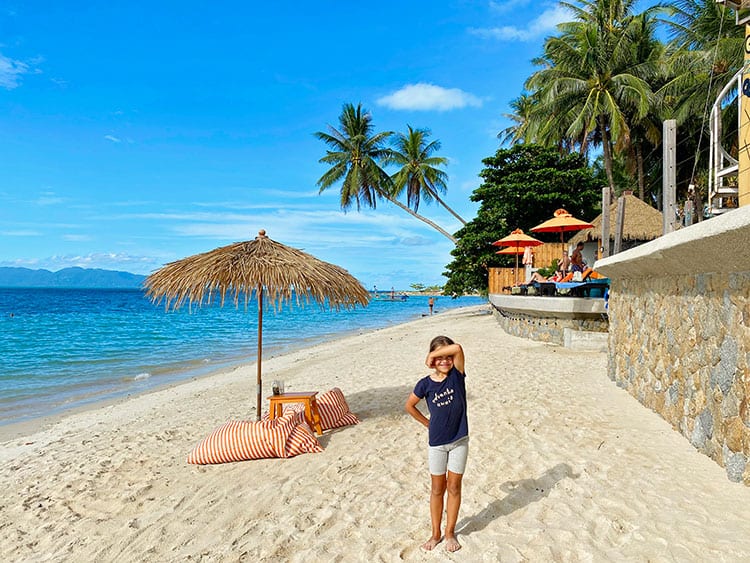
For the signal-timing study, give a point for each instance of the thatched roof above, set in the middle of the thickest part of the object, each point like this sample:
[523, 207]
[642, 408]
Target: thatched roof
[642, 222]
[244, 268]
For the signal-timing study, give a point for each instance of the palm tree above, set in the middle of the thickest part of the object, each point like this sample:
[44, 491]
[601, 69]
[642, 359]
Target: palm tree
[355, 155]
[589, 81]
[355, 159]
[419, 174]
[522, 117]
[645, 130]
[705, 52]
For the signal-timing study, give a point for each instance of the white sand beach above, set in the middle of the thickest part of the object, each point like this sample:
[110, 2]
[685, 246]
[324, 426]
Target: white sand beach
[563, 466]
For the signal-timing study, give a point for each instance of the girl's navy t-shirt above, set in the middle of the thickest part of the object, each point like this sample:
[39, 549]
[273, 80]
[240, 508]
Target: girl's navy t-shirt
[446, 402]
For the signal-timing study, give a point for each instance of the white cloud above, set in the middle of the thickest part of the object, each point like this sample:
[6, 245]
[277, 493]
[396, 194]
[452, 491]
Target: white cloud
[416, 241]
[507, 5]
[545, 24]
[21, 233]
[76, 238]
[11, 71]
[425, 97]
[49, 198]
[113, 138]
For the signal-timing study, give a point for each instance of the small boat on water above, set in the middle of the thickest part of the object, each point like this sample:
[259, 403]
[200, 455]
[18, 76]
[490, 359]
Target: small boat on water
[390, 296]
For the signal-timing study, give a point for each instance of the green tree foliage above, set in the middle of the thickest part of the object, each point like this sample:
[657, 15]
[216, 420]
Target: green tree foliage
[606, 82]
[523, 186]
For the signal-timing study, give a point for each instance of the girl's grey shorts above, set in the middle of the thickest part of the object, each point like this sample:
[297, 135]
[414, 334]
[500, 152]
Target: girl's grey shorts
[448, 457]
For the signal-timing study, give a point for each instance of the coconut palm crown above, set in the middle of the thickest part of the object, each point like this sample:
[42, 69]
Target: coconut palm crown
[418, 174]
[354, 154]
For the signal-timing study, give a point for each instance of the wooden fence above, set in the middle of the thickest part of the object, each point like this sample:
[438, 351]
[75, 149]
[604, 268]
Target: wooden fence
[500, 278]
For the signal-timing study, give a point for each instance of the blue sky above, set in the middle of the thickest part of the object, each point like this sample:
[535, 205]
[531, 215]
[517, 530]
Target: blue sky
[136, 133]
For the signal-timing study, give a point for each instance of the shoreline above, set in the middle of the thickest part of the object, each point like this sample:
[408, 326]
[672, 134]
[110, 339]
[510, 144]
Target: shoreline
[563, 465]
[96, 384]
[24, 427]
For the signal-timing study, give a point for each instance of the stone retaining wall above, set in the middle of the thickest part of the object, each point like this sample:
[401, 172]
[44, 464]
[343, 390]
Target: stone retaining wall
[679, 333]
[545, 329]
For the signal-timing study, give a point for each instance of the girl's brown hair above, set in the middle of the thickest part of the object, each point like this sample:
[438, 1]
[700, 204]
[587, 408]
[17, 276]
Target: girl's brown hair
[439, 342]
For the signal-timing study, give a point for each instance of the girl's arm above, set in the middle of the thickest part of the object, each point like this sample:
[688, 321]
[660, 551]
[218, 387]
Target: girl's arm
[454, 350]
[411, 408]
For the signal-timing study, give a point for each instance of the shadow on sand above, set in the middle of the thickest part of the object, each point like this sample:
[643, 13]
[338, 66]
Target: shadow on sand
[520, 493]
[382, 401]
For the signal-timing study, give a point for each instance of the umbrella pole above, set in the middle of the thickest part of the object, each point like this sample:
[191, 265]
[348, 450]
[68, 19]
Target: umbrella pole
[259, 295]
[516, 264]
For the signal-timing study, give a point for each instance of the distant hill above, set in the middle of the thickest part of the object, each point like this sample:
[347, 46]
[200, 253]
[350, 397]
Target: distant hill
[69, 277]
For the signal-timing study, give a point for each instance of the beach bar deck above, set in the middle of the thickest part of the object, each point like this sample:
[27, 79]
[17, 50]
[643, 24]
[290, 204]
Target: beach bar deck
[580, 322]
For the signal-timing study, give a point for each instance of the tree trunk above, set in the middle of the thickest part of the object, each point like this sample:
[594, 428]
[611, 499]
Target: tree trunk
[445, 206]
[641, 174]
[607, 151]
[421, 218]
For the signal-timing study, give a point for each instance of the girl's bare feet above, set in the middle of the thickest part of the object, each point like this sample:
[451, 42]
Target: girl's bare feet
[430, 544]
[451, 544]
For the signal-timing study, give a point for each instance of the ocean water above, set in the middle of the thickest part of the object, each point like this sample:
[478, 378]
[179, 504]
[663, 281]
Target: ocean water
[65, 348]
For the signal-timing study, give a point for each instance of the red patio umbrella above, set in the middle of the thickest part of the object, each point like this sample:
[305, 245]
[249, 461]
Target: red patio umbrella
[518, 241]
[560, 223]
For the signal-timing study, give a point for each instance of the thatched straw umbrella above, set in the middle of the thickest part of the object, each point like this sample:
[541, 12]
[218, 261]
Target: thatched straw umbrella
[266, 268]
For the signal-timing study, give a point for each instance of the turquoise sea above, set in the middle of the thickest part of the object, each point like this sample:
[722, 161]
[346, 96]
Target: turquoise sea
[65, 348]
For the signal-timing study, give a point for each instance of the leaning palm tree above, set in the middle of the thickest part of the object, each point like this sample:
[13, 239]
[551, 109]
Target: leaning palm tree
[419, 175]
[355, 153]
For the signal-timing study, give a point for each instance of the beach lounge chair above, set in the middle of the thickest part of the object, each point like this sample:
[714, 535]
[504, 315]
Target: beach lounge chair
[590, 288]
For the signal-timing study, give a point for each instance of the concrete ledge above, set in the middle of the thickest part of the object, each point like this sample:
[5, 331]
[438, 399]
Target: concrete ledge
[718, 245]
[585, 340]
[550, 307]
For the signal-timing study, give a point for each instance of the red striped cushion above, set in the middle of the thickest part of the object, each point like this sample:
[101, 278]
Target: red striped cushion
[334, 410]
[301, 440]
[240, 440]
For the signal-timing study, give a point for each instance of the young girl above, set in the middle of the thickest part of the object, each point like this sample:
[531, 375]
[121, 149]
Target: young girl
[444, 390]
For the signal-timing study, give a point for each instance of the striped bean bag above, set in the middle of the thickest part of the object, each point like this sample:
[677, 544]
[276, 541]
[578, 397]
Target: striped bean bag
[240, 440]
[334, 410]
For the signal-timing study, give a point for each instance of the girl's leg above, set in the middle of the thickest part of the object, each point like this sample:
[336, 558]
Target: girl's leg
[453, 484]
[437, 492]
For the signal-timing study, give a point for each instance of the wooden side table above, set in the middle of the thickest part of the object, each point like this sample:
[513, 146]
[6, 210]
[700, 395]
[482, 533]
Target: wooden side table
[312, 416]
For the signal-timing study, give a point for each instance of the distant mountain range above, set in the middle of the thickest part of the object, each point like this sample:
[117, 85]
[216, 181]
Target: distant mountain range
[69, 277]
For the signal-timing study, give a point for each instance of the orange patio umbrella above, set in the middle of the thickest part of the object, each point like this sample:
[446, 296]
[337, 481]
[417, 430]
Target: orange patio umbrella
[511, 251]
[518, 241]
[560, 223]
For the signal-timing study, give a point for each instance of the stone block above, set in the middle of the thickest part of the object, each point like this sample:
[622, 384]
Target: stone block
[585, 340]
[734, 433]
[735, 464]
[745, 411]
